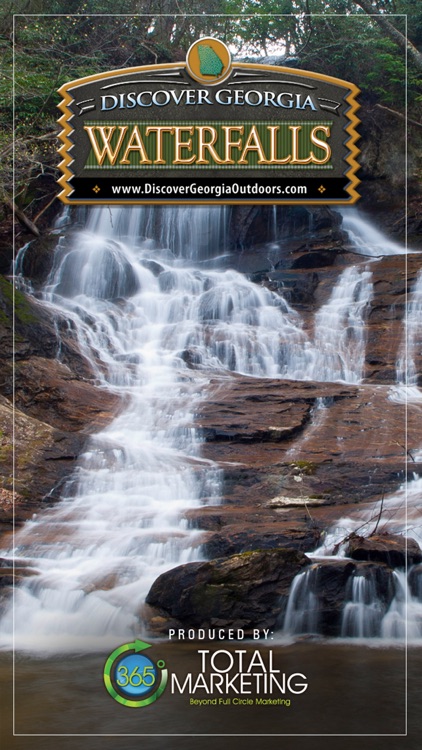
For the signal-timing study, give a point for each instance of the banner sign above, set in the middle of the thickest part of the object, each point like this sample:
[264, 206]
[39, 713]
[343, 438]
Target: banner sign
[209, 131]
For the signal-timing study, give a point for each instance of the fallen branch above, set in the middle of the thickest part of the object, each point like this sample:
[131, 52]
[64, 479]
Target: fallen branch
[406, 451]
[23, 219]
[40, 213]
[399, 114]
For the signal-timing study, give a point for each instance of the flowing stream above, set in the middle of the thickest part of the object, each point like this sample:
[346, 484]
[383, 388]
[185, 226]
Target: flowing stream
[365, 238]
[145, 295]
[366, 614]
[407, 374]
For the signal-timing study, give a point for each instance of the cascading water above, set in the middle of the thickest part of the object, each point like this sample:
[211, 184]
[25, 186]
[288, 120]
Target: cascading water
[404, 616]
[340, 328]
[367, 239]
[140, 289]
[365, 615]
[98, 552]
[302, 613]
[197, 234]
[362, 614]
[412, 344]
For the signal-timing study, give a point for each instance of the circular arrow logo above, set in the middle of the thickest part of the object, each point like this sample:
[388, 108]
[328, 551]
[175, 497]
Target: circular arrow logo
[132, 678]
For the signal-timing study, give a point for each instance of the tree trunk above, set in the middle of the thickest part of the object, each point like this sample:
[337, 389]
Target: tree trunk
[391, 31]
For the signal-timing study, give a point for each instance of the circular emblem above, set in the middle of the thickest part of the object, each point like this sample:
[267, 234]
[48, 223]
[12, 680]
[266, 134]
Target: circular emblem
[132, 678]
[209, 61]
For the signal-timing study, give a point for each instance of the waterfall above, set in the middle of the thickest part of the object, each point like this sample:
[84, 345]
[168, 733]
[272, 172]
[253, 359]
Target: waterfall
[219, 319]
[404, 616]
[302, 615]
[362, 613]
[367, 239]
[365, 614]
[195, 234]
[339, 336]
[120, 523]
[155, 316]
[412, 340]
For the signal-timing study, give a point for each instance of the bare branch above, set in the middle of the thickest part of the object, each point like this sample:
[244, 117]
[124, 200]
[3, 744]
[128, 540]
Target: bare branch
[399, 114]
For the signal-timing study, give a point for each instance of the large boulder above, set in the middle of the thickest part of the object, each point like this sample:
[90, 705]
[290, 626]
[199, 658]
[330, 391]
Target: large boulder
[105, 274]
[242, 591]
[385, 548]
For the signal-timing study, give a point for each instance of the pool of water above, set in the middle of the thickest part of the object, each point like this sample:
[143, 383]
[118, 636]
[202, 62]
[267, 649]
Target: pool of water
[353, 690]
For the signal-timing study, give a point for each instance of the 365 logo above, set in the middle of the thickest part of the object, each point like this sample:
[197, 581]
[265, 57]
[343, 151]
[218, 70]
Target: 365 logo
[132, 678]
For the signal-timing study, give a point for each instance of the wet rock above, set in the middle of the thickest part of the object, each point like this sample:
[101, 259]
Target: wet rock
[252, 225]
[60, 393]
[153, 266]
[120, 279]
[252, 589]
[415, 581]
[56, 406]
[191, 357]
[314, 259]
[36, 261]
[393, 277]
[330, 582]
[38, 333]
[235, 540]
[327, 441]
[387, 548]
[297, 287]
[50, 391]
[327, 582]
[9, 578]
[44, 459]
[237, 412]
[240, 591]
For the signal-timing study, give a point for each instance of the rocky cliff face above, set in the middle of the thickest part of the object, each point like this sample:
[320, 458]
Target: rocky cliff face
[56, 405]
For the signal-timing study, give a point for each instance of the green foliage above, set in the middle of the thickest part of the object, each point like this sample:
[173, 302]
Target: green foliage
[305, 467]
[23, 310]
[267, 26]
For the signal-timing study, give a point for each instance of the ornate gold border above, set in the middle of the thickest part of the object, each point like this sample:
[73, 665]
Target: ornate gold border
[64, 149]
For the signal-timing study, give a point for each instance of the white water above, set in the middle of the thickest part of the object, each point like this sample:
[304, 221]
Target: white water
[366, 238]
[404, 616]
[366, 616]
[135, 288]
[302, 613]
[339, 337]
[98, 552]
[412, 340]
[400, 512]
[364, 613]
